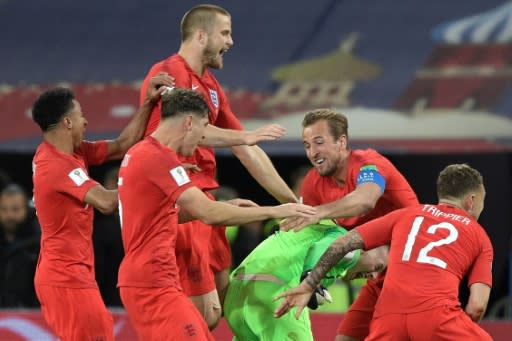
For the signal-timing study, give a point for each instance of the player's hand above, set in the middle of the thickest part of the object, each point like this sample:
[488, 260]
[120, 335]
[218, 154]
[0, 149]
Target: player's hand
[191, 167]
[294, 297]
[157, 85]
[320, 295]
[266, 133]
[293, 210]
[298, 223]
[242, 202]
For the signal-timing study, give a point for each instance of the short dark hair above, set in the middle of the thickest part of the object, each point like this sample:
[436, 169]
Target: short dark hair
[51, 106]
[181, 101]
[337, 122]
[200, 16]
[13, 188]
[457, 180]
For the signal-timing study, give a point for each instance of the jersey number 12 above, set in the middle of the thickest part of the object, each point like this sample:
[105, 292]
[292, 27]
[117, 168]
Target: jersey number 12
[423, 256]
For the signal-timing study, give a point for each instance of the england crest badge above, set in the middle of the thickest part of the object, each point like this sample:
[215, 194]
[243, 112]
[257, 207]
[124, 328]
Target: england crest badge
[214, 98]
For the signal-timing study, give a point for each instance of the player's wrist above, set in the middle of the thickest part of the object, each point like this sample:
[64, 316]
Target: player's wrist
[311, 282]
[246, 138]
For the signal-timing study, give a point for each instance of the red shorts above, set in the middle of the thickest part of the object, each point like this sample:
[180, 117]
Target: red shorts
[441, 323]
[356, 322]
[220, 250]
[192, 241]
[76, 313]
[163, 314]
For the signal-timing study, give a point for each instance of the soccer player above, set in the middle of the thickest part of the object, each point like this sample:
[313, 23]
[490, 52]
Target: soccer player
[205, 38]
[155, 193]
[276, 265]
[64, 196]
[432, 248]
[353, 186]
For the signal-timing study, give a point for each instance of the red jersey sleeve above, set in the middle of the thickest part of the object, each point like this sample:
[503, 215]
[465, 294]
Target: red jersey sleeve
[481, 270]
[226, 118]
[171, 179]
[379, 231]
[72, 179]
[94, 153]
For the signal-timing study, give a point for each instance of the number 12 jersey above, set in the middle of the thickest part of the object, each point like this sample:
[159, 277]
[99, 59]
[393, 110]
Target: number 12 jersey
[432, 248]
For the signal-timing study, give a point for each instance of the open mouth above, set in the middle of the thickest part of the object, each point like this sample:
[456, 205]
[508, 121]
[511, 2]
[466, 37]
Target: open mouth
[224, 50]
[319, 161]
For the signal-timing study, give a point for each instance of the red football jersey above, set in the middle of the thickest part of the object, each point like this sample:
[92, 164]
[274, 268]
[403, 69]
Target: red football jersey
[318, 190]
[220, 112]
[432, 248]
[61, 181]
[151, 179]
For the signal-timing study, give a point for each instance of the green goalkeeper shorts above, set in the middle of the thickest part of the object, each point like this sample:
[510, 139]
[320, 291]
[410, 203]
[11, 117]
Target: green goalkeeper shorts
[249, 311]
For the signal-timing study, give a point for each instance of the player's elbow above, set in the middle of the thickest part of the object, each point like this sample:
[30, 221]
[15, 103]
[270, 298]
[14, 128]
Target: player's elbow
[211, 219]
[366, 205]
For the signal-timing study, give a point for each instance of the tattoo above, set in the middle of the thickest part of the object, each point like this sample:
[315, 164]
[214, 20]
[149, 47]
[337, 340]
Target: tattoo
[338, 249]
[379, 267]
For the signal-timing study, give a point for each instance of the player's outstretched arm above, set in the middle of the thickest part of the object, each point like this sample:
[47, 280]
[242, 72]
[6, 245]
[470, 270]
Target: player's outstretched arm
[134, 131]
[102, 199]
[199, 206]
[362, 200]
[478, 299]
[299, 296]
[263, 171]
[219, 137]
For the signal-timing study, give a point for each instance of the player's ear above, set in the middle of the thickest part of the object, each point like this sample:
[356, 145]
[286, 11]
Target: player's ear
[202, 36]
[187, 122]
[469, 202]
[67, 122]
[343, 141]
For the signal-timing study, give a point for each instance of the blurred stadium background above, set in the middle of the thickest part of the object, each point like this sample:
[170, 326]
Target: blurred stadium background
[426, 83]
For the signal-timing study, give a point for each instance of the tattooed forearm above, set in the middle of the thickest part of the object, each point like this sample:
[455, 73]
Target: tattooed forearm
[338, 249]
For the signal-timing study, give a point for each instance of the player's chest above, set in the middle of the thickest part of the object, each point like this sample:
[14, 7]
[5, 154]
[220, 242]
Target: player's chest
[331, 190]
[211, 94]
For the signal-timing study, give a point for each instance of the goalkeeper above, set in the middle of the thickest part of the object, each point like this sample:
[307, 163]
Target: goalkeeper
[278, 264]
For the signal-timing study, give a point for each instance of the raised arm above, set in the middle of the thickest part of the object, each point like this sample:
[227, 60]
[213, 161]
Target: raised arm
[134, 131]
[219, 137]
[263, 171]
[198, 205]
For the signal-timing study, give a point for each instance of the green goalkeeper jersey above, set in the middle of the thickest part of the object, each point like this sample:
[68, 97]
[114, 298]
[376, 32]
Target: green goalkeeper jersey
[286, 255]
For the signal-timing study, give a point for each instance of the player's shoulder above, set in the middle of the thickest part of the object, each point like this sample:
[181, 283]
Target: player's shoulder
[479, 230]
[153, 152]
[367, 156]
[371, 159]
[174, 65]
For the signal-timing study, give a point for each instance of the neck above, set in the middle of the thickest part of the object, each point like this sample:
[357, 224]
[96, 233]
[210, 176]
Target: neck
[192, 56]
[341, 170]
[451, 202]
[60, 141]
[169, 136]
